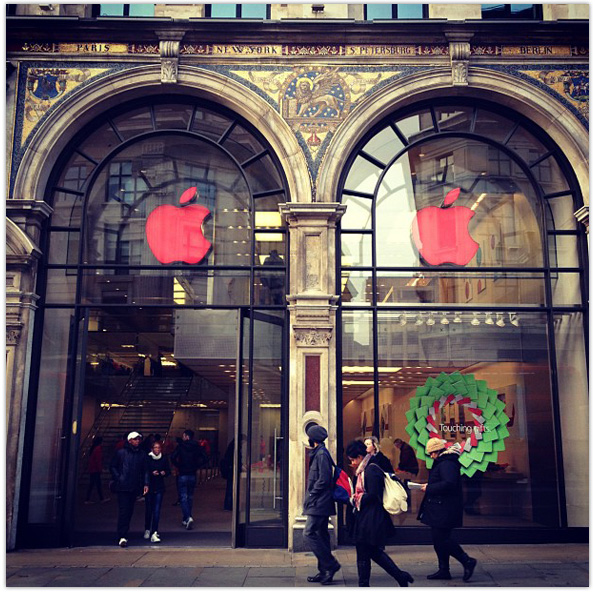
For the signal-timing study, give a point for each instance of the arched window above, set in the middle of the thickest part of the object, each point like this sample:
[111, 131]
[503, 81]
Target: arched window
[461, 259]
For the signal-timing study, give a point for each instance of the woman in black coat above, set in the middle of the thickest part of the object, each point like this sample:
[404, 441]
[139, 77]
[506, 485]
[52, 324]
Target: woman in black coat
[157, 468]
[442, 508]
[373, 448]
[372, 524]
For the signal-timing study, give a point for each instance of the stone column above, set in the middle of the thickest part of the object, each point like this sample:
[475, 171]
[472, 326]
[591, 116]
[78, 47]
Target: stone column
[312, 306]
[583, 217]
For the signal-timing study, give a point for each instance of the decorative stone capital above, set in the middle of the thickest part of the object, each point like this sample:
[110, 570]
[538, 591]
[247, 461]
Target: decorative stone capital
[460, 59]
[13, 336]
[583, 216]
[169, 51]
[308, 214]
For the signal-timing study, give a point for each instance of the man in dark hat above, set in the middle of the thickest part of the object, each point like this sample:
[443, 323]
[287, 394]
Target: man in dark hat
[319, 505]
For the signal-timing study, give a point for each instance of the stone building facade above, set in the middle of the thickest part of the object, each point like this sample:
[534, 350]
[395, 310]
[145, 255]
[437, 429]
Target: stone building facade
[313, 89]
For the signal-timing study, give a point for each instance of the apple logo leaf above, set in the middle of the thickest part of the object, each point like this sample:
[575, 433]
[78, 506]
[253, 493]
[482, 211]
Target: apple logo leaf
[451, 197]
[188, 195]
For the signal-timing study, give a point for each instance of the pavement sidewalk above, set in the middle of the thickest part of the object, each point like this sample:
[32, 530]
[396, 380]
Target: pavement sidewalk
[152, 566]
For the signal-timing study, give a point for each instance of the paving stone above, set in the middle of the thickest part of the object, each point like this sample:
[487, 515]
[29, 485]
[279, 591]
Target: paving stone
[77, 576]
[173, 577]
[124, 576]
[268, 572]
[222, 576]
[31, 577]
[269, 582]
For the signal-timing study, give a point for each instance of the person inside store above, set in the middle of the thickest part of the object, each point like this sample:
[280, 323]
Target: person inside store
[272, 282]
[407, 458]
[371, 526]
[319, 505]
[157, 468]
[95, 468]
[442, 508]
[373, 448]
[128, 473]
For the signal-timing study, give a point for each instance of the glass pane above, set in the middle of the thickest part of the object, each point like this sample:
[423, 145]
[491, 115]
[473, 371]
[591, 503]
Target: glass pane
[562, 250]
[560, 213]
[134, 204]
[75, 173]
[258, 11]
[503, 368]
[494, 222]
[492, 125]
[142, 9]
[409, 11]
[53, 368]
[549, 175]
[100, 143]
[266, 463]
[357, 375]
[356, 250]
[356, 287]
[223, 10]
[64, 248]
[262, 175]
[416, 126]
[270, 286]
[363, 176]
[111, 9]
[153, 286]
[384, 145]
[210, 124]
[245, 427]
[172, 116]
[566, 289]
[526, 145]
[61, 286]
[454, 118]
[446, 288]
[573, 397]
[67, 209]
[378, 11]
[358, 213]
[134, 122]
[270, 248]
[267, 211]
[242, 144]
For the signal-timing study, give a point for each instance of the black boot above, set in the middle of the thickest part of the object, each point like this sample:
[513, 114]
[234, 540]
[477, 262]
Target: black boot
[363, 574]
[328, 575]
[469, 566]
[402, 577]
[316, 578]
[442, 574]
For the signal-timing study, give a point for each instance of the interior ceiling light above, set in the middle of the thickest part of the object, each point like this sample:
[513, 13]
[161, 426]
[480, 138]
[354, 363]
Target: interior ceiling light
[430, 321]
[489, 319]
[500, 321]
[444, 320]
[419, 320]
[475, 320]
[513, 319]
[354, 369]
[403, 319]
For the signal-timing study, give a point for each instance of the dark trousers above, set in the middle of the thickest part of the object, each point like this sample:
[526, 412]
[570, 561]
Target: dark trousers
[186, 488]
[126, 506]
[364, 554]
[94, 481]
[445, 547]
[153, 510]
[228, 499]
[316, 535]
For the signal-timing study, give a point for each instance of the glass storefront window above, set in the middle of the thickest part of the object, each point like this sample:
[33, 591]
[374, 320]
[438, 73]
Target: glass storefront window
[356, 250]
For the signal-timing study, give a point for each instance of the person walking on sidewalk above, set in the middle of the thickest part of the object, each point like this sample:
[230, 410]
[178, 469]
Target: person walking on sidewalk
[188, 458]
[373, 448]
[372, 524]
[157, 468]
[442, 508]
[319, 505]
[128, 471]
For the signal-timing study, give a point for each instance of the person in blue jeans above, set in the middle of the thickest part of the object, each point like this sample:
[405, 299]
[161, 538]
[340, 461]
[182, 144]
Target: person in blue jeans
[157, 468]
[187, 458]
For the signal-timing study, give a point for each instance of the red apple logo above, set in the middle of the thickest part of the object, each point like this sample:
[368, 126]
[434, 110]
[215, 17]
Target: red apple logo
[176, 234]
[441, 234]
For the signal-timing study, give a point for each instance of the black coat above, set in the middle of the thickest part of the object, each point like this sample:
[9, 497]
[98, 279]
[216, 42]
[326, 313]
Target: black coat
[188, 457]
[128, 469]
[318, 500]
[442, 506]
[372, 523]
[380, 459]
[156, 482]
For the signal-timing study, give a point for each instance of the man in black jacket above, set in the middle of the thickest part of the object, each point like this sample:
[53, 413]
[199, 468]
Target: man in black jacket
[128, 471]
[319, 505]
[187, 458]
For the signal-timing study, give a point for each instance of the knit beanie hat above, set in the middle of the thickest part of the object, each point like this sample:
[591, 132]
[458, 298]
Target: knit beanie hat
[317, 433]
[435, 445]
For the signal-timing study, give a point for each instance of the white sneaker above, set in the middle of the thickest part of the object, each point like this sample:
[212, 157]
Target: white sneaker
[147, 534]
[184, 522]
[188, 524]
[155, 538]
[123, 542]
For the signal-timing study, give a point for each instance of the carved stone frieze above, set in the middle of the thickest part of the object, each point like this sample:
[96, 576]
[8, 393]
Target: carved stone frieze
[311, 336]
[460, 59]
[169, 50]
[12, 336]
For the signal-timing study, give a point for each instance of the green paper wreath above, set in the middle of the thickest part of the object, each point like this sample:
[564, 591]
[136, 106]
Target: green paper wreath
[485, 439]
